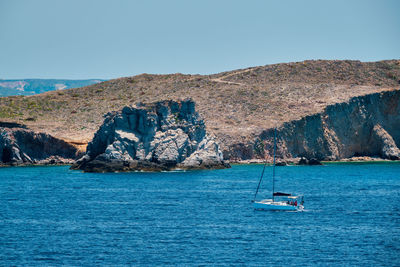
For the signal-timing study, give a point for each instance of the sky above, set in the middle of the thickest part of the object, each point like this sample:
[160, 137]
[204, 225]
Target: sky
[82, 39]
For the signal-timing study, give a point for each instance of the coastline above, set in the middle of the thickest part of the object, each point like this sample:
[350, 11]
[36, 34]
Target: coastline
[34, 165]
[362, 160]
[294, 162]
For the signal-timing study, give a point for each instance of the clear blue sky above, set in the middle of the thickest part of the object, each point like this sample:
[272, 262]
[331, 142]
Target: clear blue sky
[78, 39]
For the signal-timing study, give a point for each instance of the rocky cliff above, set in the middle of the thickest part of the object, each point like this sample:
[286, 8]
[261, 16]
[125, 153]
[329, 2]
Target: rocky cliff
[161, 136]
[19, 146]
[364, 126]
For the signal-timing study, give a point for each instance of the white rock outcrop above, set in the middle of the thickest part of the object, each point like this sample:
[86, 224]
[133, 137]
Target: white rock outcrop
[160, 136]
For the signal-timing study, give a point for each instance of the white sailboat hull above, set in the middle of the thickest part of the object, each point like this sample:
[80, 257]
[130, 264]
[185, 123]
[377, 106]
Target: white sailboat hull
[276, 206]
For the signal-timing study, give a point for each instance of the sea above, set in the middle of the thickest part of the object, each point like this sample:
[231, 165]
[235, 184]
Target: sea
[51, 216]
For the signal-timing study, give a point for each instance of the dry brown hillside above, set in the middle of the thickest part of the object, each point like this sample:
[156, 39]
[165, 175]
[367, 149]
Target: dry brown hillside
[235, 104]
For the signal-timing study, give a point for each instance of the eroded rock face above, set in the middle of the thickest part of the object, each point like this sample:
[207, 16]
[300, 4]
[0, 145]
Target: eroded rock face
[366, 126]
[161, 136]
[19, 146]
[385, 143]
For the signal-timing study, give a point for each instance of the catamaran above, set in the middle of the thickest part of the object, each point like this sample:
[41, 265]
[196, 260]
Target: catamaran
[280, 201]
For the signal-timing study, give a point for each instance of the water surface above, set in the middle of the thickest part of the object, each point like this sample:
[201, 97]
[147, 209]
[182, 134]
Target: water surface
[55, 216]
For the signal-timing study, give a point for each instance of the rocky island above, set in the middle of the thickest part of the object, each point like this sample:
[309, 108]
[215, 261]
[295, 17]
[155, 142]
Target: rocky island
[323, 109]
[164, 135]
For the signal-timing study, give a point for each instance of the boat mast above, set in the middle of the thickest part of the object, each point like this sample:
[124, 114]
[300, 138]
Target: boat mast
[273, 173]
[273, 168]
[259, 182]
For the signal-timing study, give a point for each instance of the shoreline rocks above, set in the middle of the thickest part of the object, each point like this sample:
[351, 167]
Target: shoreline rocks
[312, 161]
[160, 136]
[21, 147]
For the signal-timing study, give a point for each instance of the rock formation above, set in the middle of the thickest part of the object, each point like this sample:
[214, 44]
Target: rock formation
[365, 126]
[160, 136]
[19, 146]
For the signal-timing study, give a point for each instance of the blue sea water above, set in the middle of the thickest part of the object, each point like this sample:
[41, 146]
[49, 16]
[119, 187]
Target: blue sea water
[56, 216]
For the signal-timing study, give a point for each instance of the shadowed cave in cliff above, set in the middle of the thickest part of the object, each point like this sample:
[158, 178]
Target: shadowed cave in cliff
[6, 155]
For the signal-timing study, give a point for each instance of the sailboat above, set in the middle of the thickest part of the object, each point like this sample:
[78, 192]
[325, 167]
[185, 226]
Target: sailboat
[280, 201]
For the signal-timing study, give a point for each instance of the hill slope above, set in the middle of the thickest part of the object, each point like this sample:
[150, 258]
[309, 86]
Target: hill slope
[237, 105]
[38, 86]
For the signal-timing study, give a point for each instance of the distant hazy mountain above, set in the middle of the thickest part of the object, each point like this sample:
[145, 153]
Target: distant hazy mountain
[37, 86]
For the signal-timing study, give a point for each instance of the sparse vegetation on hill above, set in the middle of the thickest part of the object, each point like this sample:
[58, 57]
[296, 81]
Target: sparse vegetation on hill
[236, 105]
